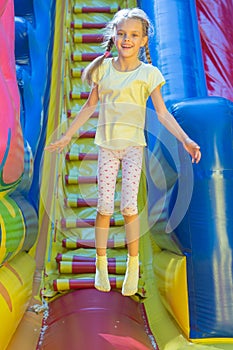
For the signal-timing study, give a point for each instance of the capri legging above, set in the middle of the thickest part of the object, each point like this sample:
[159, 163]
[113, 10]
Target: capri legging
[108, 166]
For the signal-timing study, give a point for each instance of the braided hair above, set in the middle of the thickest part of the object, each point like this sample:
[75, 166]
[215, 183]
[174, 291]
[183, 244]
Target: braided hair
[108, 43]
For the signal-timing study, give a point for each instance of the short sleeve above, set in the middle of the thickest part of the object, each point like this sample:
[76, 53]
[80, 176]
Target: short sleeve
[155, 79]
[95, 76]
[100, 71]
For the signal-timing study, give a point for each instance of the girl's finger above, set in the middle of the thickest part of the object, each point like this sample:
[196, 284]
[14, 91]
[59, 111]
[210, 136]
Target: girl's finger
[197, 155]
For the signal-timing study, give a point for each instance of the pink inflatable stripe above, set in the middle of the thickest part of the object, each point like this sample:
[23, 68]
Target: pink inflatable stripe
[11, 146]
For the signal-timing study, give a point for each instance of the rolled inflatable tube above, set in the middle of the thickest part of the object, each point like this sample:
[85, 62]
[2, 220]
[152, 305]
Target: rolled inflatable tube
[205, 233]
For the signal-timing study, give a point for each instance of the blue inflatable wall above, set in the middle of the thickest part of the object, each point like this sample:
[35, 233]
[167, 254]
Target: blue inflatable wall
[203, 232]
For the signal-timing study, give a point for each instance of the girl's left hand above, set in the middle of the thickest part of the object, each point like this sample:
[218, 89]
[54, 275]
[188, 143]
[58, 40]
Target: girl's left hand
[59, 145]
[193, 149]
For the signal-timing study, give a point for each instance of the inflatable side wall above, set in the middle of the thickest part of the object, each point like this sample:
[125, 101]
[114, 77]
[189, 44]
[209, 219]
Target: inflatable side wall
[23, 79]
[16, 228]
[195, 238]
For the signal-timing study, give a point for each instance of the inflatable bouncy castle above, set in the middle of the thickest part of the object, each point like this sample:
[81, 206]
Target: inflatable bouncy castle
[48, 201]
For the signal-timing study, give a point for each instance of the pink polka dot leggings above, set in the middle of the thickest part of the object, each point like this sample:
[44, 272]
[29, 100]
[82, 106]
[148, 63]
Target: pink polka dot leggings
[108, 166]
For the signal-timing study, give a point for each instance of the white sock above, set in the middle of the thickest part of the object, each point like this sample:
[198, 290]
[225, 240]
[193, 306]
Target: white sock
[130, 284]
[101, 274]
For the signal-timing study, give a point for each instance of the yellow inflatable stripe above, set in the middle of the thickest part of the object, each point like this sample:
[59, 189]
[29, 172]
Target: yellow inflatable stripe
[3, 239]
[119, 282]
[172, 284]
[211, 341]
[66, 267]
[120, 268]
[63, 284]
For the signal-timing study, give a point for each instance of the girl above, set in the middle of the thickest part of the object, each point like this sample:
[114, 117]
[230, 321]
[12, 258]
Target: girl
[122, 85]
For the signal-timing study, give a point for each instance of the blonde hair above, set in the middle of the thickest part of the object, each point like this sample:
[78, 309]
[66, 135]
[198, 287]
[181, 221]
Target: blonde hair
[134, 13]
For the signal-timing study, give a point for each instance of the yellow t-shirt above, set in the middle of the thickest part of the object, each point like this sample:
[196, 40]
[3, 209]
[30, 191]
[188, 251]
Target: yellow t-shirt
[123, 97]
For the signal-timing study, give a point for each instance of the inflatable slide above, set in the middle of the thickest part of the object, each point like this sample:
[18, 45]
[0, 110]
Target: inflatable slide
[48, 201]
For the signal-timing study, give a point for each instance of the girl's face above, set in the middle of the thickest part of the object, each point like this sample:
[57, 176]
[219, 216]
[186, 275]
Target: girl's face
[129, 38]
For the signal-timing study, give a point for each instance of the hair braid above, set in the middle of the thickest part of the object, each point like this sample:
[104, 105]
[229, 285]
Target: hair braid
[88, 71]
[147, 51]
[109, 45]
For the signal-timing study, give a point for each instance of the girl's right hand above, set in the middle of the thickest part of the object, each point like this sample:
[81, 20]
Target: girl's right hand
[193, 149]
[59, 145]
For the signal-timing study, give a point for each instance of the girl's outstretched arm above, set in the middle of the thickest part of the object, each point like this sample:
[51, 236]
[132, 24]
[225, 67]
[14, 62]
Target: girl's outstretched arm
[171, 125]
[83, 115]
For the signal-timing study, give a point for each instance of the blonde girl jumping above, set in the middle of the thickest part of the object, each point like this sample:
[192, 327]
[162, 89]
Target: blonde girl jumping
[122, 86]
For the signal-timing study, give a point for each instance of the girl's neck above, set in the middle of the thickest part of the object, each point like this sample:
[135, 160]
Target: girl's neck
[124, 65]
